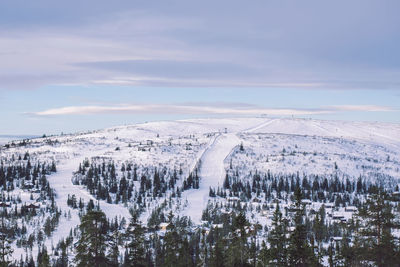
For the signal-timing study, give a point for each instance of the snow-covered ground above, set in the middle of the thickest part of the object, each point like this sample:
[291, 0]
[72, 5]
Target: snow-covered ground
[379, 133]
[212, 173]
[287, 153]
[280, 145]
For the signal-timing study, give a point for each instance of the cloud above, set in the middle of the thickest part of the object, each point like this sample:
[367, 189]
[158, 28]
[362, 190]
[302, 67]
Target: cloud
[184, 43]
[368, 108]
[198, 82]
[175, 109]
[174, 69]
[200, 108]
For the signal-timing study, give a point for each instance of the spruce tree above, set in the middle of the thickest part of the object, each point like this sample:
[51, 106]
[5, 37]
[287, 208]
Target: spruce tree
[300, 252]
[5, 243]
[43, 259]
[238, 252]
[62, 260]
[171, 244]
[136, 252]
[217, 258]
[377, 216]
[115, 240]
[91, 247]
[277, 240]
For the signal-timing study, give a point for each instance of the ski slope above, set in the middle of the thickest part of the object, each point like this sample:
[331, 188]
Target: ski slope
[212, 173]
[212, 170]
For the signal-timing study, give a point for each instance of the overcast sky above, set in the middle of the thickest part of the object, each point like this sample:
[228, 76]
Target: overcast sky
[76, 65]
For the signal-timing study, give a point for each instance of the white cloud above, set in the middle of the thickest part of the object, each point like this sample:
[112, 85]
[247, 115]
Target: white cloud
[221, 109]
[234, 81]
[175, 109]
[369, 108]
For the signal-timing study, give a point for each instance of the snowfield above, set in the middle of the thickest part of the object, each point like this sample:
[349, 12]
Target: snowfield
[347, 149]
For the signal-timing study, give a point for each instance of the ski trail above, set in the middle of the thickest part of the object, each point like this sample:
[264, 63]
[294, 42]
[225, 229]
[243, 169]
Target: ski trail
[212, 171]
[253, 129]
[212, 174]
[63, 186]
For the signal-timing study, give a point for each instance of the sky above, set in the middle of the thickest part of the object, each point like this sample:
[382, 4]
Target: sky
[69, 66]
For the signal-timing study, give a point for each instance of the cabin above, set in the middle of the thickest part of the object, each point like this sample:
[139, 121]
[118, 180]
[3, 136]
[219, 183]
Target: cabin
[163, 226]
[306, 202]
[337, 216]
[5, 205]
[329, 205]
[28, 185]
[351, 209]
[33, 206]
[396, 196]
[149, 142]
[292, 208]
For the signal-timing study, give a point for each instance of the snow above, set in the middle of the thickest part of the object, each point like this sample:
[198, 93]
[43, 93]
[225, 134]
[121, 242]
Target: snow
[289, 153]
[212, 170]
[380, 133]
[62, 184]
[212, 173]
[312, 147]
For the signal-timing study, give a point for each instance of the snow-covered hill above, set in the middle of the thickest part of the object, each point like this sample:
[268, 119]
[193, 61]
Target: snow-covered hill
[203, 149]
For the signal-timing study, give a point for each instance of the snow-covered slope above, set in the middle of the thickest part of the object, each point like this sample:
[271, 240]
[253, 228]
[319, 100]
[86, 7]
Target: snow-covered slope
[212, 173]
[380, 133]
[212, 146]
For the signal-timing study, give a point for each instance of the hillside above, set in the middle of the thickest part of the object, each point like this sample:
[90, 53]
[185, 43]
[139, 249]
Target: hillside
[191, 167]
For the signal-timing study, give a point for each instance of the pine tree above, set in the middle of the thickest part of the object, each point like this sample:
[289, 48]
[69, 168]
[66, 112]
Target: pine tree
[277, 240]
[114, 242]
[5, 243]
[347, 255]
[159, 252]
[217, 258]
[43, 259]
[237, 253]
[377, 216]
[171, 244]
[136, 256]
[62, 261]
[300, 252]
[91, 247]
[226, 182]
[241, 148]
[319, 227]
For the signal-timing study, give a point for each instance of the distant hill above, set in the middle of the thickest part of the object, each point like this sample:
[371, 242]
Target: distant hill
[7, 138]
